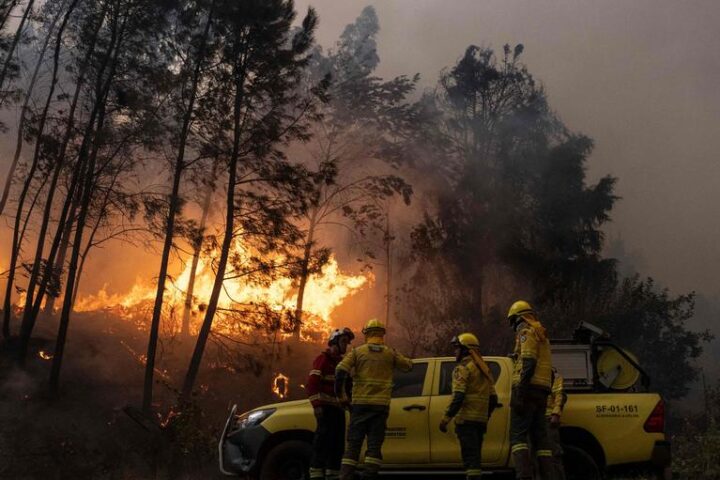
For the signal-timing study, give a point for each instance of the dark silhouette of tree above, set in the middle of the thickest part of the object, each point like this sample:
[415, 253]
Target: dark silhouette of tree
[193, 35]
[508, 163]
[363, 119]
[259, 68]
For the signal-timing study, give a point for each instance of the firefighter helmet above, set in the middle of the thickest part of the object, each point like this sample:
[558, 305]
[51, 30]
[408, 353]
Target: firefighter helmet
[518, 308]
[337, 333]
[467, 340]
[374, 326]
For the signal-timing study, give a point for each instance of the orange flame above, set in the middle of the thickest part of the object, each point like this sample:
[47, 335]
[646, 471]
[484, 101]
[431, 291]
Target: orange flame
[281, 386]
[324, 292]
[45, 356]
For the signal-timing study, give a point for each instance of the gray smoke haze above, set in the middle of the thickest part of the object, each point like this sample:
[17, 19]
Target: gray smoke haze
[640, 77]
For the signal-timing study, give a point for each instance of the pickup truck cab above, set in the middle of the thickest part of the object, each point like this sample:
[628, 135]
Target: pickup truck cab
[600, 431]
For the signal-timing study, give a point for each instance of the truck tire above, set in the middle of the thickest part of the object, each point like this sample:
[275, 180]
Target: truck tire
[579, 465]
[289, 460]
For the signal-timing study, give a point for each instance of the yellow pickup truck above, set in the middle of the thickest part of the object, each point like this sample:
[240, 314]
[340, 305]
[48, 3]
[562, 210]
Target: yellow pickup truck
[601, 432]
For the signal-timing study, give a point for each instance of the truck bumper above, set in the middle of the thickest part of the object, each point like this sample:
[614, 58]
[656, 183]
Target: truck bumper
[238, 449]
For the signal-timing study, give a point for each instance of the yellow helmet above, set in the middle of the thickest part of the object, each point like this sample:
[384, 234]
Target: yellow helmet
[519, 308]
[467, 340]
[374, 325]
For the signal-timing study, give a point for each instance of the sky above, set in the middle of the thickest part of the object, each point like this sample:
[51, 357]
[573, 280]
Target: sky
[640, 77]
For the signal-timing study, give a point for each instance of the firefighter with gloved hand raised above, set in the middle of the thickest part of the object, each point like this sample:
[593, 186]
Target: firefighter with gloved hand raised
[371, 366]
[531, 386]
[473, 401]
[330, 432]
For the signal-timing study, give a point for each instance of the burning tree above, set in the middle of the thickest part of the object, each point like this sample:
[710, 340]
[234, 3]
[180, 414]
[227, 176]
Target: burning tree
[258, 67]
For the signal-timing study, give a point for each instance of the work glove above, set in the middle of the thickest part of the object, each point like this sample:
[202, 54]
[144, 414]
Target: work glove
[554, 420]
[318, 411]
[444, 424]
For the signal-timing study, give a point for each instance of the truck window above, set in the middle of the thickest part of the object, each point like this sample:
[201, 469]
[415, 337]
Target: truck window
[409, 384]
[446, 370]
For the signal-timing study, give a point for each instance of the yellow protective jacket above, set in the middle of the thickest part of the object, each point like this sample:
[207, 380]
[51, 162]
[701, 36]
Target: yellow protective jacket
[468, 379]
[371, 366]
[530, 343]
[556, 400]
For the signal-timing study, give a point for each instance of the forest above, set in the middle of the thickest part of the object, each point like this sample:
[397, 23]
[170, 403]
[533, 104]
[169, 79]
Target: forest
[270, 189]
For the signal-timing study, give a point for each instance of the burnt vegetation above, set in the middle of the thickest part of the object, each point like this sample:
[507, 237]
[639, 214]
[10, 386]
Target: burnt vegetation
[219, 136]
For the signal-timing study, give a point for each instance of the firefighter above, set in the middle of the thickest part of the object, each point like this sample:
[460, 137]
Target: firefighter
[371, 366]
[553, 412]
[473, 401]
[330, 416]
[531, 386]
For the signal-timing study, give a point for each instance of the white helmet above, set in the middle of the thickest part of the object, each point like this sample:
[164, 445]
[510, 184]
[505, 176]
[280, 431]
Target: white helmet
[337, 333]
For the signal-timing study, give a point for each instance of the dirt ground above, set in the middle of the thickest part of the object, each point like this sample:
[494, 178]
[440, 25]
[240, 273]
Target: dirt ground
[86, 433]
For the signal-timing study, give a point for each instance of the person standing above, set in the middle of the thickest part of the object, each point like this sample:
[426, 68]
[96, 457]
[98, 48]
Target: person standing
[553, 412]
[371, 366]
[473, 402]
[330, 416]
[531, 386]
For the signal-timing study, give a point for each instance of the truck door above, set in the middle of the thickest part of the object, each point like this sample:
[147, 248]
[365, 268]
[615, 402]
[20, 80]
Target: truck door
[444, 447]
[407, 438]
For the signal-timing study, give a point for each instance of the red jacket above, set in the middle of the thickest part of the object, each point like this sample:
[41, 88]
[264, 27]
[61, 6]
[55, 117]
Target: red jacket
[321, 382]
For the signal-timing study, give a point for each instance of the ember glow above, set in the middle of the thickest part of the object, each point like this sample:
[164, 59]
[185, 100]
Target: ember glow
[324, 292]
[281, 386]
[44, 355]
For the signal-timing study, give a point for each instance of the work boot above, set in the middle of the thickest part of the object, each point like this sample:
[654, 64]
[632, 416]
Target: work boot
[523, 465]
[347, 472]
[547, 468]
[371, 471]
[559, 468]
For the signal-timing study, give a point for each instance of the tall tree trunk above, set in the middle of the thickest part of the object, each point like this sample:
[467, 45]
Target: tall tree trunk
[170, 225]
[388, 239]
[59, 163]
[197, 248]
[304, 274]
[32, 308]
[196, 359]
[91, 238]
[73, 198]
[15, 251]
[15, 247]
[13, 46]
[6, 8]
[98, 113]
[23, 114]
[62, 253]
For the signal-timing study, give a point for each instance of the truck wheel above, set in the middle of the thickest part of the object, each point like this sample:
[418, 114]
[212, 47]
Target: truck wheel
[287, 461]
[579, 465]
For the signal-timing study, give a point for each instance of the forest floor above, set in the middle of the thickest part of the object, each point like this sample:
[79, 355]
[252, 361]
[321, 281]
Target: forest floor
[85, 432]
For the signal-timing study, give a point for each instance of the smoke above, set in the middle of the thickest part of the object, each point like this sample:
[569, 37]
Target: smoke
[639, 78]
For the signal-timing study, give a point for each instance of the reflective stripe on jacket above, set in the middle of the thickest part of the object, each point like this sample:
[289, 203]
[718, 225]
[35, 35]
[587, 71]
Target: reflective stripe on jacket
[371, 366]
[320, 386]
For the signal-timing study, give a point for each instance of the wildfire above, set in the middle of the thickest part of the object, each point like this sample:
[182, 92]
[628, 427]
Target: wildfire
[44, 355]
[281, 386]
[324, 292]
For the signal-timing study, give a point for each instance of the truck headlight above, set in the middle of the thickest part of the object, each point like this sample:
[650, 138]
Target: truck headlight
[255, 417]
